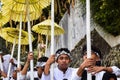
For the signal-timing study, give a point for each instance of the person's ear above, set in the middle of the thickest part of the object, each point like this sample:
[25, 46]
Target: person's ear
[85, 57]
[70, 60]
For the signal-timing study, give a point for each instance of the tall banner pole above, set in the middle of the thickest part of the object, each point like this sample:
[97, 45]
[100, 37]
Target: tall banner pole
[52, 37]
[30, 41]
[89, 77]
[19, 47]
[12, 52]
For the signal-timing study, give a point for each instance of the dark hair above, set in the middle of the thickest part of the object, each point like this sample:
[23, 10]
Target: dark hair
[62, 49]
[4, 50]
[93, 48]
[43, 59]
[107, 76]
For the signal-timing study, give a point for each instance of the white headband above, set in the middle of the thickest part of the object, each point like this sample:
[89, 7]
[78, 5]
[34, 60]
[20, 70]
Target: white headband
[40, 64]
[95, 53]
[63, 52]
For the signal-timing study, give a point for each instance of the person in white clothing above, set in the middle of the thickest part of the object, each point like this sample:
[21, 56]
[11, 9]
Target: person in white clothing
[62, 71]
[37, 73]
[6, 59]
[89, 65]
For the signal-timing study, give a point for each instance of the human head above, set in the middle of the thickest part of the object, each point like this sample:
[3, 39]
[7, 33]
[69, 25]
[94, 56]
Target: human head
[41, 64]
[4, 50]
[41, 61]
[63, 51]
[63, 58]
[95, 54]
[109, 76]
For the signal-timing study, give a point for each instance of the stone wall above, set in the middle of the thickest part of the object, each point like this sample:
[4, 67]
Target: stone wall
[74, 37]
[111, 56]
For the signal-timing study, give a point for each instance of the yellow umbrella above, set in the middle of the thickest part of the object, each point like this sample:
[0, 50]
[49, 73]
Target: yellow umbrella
[4, 17]
[13, 35]
[21, 4]
[16, 15]
[35, 7]
[45, 28]
[10, 34]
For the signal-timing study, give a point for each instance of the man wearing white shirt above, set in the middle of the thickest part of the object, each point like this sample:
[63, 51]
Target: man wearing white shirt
[25, 74]
[89, 65]
[62, 71]
[6, 58]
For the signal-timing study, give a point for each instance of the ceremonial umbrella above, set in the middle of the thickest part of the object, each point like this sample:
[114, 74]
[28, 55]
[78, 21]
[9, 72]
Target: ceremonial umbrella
[18, 7]
[21, 4]
[45, 29]
[16, 14]
[12, 35]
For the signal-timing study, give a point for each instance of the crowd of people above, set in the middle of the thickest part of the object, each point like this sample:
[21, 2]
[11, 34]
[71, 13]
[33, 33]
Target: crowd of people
[62, 70]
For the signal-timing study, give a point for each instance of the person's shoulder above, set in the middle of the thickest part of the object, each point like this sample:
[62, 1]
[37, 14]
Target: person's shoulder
[72, 69]
[7, 55]
[30, 72]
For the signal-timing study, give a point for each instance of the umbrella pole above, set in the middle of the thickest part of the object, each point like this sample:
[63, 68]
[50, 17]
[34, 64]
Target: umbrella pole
[88, 34]
[12, 52]
[52, 38]
[19, 47]
[30, 47]
[46, 45]
[1, 65]
[30, 41]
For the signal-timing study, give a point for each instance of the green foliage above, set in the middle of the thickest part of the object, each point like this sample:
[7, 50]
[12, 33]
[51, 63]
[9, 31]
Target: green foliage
[107, 14]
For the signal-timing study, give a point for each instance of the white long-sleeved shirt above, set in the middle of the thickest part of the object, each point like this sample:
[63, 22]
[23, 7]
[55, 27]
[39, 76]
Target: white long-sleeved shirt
[27, 76]
[116, 70]
[70, 74]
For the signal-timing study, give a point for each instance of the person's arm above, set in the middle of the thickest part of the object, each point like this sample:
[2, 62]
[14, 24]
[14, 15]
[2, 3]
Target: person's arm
[115, 70]
[87, 63]
[96, 69]
[48, 64]
[24, 70]
[12, 62]
[3, 74]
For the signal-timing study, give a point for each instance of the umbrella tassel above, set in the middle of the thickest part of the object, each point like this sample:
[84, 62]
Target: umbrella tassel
[39, 38]
[6, 44]
[24, 26]
[11, 23]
